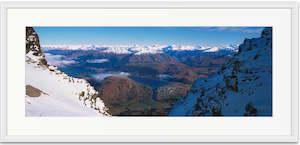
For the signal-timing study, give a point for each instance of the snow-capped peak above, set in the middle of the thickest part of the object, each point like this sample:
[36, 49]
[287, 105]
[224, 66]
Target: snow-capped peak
[138, 49]
[233, 48]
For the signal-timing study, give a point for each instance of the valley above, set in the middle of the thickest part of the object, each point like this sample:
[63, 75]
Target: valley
[139, 84]
[117, 71]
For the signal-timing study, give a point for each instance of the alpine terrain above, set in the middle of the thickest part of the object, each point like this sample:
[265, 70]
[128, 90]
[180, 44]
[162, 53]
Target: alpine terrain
[242, 86]
[51, 92]
[139, 80]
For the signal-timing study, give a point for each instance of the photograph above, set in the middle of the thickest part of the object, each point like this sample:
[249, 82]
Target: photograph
[203, 71]
[149, 72]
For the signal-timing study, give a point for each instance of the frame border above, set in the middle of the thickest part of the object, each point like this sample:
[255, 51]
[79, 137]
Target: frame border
[4, 6]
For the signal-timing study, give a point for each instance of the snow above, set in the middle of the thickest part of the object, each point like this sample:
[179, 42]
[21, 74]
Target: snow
[212, 49]
[232, 48]
[33, 58]
[62, 95]
[242, 86]
[117, 50]
[139, 50]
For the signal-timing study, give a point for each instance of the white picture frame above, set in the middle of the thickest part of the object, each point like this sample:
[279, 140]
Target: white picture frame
[6, 6]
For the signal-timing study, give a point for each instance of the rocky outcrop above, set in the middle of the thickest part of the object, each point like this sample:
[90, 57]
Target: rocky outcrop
[171, 92]
[241, 87]
[64, 95]
[33, 47]
[32, 42]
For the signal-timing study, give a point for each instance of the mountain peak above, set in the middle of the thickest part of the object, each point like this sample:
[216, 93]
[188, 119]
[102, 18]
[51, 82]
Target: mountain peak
[267, 32]
[32, 42]
[33, 48]
[145, 49]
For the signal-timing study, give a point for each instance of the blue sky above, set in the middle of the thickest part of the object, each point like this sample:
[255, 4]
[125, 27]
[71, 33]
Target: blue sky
[212, 36]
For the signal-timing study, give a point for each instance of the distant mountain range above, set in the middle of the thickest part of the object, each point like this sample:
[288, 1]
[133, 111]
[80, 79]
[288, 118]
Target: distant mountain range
[146, 49]
[158, 80]
[159, 74]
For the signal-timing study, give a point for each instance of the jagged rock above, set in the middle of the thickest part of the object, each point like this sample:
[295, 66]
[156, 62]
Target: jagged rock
[32, 42]
[241, 87]
[33, 46]
[66, 96]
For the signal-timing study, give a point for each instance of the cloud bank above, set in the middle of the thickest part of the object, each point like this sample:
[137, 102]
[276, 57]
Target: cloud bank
[102, 76]
[58, 60]
[97, 60]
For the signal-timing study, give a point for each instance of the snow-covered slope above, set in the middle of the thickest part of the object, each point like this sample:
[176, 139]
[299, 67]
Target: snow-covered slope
[51, 92]
[232, 48]
[139, 50]
[242, 87]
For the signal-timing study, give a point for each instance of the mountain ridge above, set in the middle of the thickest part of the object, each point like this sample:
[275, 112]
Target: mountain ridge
[241, 87]
[51, 92]
[140, 50]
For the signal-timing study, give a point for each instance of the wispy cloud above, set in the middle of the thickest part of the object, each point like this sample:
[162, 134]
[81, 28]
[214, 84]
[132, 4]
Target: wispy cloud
[58, 60]
[97, 60]
[102, 76]
[237, 29]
